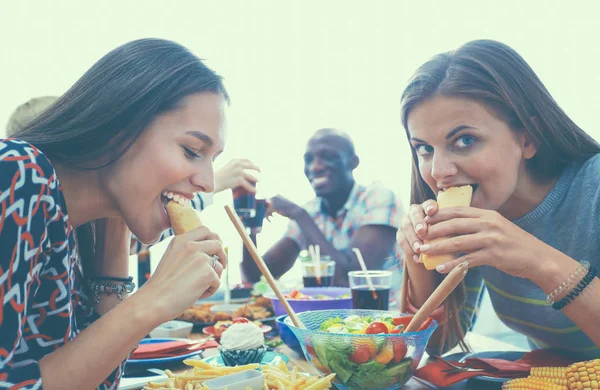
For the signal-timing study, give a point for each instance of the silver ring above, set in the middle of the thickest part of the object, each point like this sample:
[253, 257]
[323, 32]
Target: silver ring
[215, 261]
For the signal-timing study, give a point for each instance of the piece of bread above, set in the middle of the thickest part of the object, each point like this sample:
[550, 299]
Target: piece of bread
[183, 218]
[452, 197]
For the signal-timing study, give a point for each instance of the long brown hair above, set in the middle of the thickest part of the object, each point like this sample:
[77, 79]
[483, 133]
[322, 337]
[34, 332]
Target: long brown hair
[102, 115]
[494, 74]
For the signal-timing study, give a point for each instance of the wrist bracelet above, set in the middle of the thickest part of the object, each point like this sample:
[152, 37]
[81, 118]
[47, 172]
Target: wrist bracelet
[587, 279]
[122, 287]
[573, 278]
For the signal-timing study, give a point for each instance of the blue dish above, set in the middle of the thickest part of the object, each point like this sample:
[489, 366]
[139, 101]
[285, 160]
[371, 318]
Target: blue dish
[286, 334]
[302, 305]
[161, 360]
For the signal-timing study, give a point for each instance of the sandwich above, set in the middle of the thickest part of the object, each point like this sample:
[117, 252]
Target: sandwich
[183, 218]
[452, 197]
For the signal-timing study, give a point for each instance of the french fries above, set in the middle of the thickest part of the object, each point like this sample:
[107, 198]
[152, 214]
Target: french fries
[277, 377]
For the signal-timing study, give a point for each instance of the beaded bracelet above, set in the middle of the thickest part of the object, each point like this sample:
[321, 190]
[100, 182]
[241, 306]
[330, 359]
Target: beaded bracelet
[587, 279]
[583, 268]
[124, 286]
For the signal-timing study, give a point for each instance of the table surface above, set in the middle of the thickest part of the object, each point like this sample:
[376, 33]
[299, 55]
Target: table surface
[477, 342]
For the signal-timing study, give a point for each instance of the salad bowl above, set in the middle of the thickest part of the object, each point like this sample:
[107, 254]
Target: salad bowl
[366, 349]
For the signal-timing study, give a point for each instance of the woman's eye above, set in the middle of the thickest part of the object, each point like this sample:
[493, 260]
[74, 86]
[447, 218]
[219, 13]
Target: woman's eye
[423, 150]
[189, 153]
[464, 141]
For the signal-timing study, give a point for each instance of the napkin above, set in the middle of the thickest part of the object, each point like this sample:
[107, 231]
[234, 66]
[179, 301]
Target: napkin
[170, 348]
[493, 367]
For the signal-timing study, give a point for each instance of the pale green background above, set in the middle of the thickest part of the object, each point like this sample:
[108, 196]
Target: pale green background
[293, 67]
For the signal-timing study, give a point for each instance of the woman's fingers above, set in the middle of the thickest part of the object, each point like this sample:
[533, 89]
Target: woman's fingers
[452, 228]
[201, 233]
[460, 244]
[416, 214]
[430, 206]
[211, 281]
[247, 164]
[455, 212]
[471, 258]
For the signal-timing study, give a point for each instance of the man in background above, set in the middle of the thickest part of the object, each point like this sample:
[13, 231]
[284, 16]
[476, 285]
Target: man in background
[342, 216]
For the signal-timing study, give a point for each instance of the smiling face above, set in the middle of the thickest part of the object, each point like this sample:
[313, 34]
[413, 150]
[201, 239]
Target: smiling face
[174, 155]
[459, 141]
[328, 164]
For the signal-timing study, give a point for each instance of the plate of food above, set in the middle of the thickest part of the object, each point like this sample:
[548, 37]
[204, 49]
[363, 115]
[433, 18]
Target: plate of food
[255, 309]
[219, 327]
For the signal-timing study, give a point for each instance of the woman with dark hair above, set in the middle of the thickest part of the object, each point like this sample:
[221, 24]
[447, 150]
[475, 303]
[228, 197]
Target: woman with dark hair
[146, 121]
[480, 116]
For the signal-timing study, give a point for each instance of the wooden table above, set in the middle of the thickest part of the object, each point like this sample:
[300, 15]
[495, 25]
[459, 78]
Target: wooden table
[478, 343]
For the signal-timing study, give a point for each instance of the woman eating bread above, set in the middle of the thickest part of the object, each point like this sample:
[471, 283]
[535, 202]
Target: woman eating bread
[479, 116]
[146, 120]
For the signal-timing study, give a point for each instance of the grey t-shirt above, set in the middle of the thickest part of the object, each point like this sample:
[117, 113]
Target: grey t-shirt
[568, 219]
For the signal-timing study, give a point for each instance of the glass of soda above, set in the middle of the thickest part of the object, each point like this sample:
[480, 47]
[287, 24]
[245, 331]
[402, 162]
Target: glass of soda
[244, 203]
[363, 297]
[309, 276]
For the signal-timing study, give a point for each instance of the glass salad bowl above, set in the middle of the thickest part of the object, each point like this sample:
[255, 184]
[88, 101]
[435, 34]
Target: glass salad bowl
[366, 349]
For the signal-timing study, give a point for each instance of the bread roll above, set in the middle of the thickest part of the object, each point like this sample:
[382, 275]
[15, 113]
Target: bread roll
[183, 218]
[452, 197]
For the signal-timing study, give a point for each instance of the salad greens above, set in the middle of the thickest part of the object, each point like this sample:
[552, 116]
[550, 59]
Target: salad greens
[363, 362]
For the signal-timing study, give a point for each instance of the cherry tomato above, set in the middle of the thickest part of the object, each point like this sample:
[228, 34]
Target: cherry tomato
[377, 327]
[400, 350]
[361, 354]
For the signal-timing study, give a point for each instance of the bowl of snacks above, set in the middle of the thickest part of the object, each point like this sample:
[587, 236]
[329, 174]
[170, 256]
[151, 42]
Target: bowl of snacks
[313, 298]
[366, 349]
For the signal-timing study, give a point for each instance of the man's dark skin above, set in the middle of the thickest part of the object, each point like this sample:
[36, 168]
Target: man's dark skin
[329, 161]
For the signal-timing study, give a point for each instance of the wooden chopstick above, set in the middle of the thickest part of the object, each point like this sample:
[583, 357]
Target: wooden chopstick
[404, 288]
[438, 296]
[260, 263]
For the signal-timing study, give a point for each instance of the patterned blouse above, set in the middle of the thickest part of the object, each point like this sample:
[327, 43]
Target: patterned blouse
[43, 303]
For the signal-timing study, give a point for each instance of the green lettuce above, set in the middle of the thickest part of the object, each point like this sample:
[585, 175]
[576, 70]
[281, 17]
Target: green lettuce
[331, 321]
[371, 375]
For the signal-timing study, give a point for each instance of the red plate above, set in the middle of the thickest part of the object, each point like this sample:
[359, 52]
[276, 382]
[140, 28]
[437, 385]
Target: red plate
[210, 330]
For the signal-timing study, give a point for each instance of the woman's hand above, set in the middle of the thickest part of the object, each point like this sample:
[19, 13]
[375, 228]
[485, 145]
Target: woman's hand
[414, 228]
[184, 274]
[235, 174]
[484, 237]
